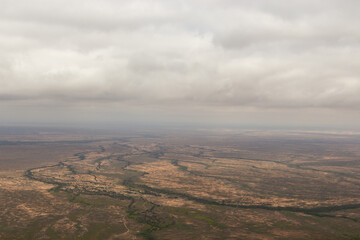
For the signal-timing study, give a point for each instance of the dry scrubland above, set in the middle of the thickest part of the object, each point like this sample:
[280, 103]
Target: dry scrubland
[199, 185]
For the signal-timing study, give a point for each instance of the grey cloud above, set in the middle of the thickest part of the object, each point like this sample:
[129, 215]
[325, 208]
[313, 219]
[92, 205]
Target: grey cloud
[181, 54]
[94, 15]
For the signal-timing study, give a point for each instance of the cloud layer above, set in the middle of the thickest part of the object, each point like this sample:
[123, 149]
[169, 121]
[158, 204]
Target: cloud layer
[259, 54]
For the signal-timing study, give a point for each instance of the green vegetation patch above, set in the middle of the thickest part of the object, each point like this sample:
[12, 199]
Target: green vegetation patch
[195, 214]
[78, 199]
[98, 231]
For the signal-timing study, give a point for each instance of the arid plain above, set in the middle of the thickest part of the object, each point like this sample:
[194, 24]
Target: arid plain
[179, 184]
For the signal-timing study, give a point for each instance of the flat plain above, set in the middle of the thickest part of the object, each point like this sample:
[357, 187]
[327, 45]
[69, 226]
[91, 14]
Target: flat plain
[179, 184]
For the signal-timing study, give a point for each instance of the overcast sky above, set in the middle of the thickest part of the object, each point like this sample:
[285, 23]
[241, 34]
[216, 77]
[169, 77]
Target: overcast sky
[262, 62]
